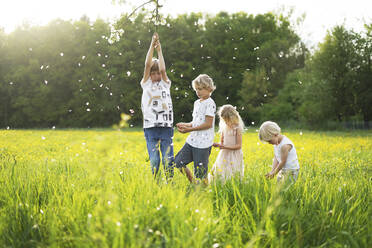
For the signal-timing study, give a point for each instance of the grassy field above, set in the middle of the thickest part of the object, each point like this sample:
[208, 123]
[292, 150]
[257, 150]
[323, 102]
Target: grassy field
[93, 188]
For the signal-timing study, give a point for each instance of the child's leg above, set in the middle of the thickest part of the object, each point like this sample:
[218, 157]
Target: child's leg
[289, 176]
[184, 157]
[294, 175]
[188, 173]
[152, 142]
[166, 147]
[201, 160]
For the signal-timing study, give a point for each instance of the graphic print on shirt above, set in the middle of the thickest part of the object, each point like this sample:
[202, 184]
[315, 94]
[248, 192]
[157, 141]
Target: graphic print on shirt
[157, 106]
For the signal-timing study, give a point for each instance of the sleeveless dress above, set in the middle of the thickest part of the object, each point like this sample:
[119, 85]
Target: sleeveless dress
[229, 163]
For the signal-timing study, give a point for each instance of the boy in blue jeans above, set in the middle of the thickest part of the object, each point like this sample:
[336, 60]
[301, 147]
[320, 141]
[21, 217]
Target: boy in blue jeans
[157, 109]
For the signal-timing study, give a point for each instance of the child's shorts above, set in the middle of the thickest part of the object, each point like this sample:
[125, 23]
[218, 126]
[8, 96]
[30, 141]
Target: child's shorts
[200, 156]
[288, 174]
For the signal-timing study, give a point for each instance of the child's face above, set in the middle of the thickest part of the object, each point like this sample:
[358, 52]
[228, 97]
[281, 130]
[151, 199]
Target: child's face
[229, 123]
[202, 93]
[274, 140]
[155, 76]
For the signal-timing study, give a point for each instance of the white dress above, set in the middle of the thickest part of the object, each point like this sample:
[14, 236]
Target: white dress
[229, 163]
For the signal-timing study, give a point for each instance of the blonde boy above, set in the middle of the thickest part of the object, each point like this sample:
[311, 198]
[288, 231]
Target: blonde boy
[198, 144]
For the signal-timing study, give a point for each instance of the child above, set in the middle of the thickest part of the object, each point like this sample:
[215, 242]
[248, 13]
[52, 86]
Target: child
[198, 144]
[285, 162]
[229, 162]
[157, 110]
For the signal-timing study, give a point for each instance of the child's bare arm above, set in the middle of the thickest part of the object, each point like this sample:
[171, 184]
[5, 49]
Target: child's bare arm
[184, 124]
[221, 142]
[275, 164]
[148, 61]
[206, 125]
[273, 167]
[284, 155]
[162, 69]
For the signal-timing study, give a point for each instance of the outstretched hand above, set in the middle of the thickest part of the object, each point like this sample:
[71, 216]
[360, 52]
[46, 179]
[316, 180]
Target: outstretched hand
[182, 127]
[219, 145]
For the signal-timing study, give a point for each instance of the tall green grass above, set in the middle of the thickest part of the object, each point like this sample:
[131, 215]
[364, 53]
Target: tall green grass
[95, 189]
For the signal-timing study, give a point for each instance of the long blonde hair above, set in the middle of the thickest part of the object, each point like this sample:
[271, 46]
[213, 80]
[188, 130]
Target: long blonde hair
[229, 115]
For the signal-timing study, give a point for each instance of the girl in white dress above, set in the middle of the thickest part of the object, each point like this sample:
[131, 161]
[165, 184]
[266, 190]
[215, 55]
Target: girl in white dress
[229, 162]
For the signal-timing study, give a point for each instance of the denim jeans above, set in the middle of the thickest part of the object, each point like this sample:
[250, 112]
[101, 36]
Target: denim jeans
[162, 136]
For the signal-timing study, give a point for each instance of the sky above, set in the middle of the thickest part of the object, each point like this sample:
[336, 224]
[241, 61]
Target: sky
[321, 15]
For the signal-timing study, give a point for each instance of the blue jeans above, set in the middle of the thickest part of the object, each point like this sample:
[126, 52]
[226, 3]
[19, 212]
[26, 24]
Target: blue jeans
[163, 136]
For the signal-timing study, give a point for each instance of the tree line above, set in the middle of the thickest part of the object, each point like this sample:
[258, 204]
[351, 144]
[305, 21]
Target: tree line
[85, 74]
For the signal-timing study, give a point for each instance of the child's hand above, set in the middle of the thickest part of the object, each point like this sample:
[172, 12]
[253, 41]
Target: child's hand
[216, 144]
[155, 40]
[185, 129]
[158, 46]
[181, 129]
[180, 124]
[270, 175]
[153, 43]
[155, 36]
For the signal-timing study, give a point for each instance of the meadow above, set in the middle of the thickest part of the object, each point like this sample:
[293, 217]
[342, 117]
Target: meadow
[94, 188]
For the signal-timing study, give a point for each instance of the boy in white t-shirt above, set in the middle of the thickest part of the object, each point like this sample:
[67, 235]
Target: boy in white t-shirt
[198, 144]
[157, 109]
[285, 162]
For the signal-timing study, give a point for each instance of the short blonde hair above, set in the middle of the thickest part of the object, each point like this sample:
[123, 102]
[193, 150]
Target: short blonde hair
[204, 81]
[268, 130]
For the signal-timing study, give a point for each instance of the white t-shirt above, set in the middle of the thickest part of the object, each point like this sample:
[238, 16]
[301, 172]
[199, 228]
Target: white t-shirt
[292, 160]
[156, 104]
[202, 138]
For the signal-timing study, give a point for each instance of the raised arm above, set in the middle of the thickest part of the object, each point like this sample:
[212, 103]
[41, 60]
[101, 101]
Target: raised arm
[150, 54]
[162, 69]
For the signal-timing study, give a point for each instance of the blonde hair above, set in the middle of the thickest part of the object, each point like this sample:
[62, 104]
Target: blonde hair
[229, 116]
[204, 81]
[154, 65]
[268, 130]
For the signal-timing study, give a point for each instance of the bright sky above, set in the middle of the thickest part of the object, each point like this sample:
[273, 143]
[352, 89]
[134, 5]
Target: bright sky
[320, 14]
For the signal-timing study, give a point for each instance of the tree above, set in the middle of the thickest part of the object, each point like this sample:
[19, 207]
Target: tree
[340, 81]
[364, 85]
[83, 73]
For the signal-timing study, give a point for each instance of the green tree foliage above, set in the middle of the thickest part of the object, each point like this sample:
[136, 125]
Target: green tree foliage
[335, 85]
[83, 73]
[79, 74]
